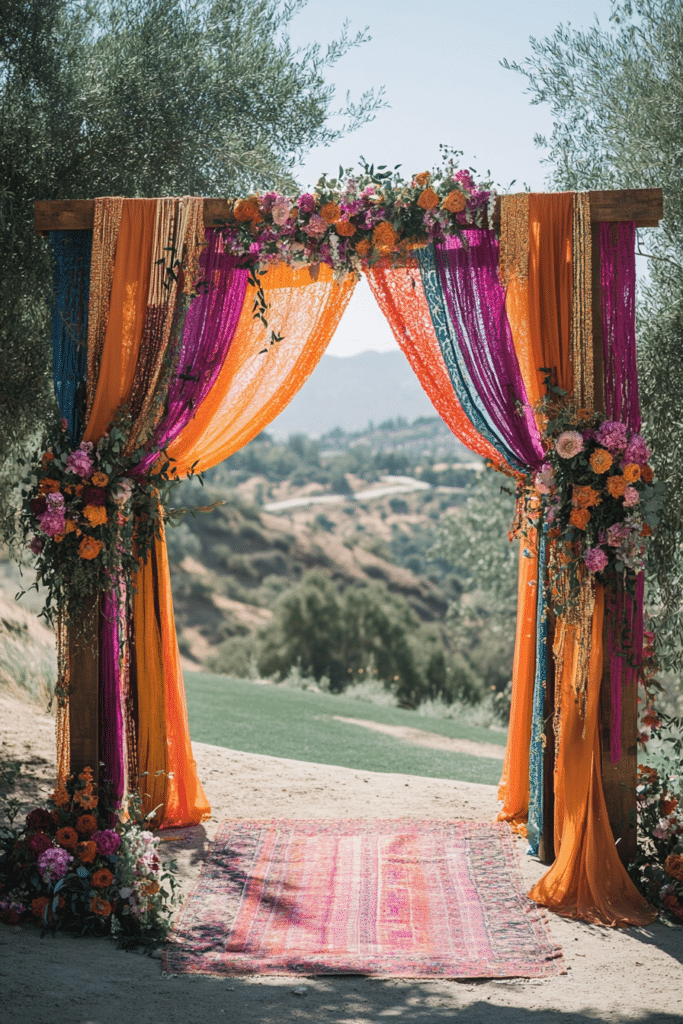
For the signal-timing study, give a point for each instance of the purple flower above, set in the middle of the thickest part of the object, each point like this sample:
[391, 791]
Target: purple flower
[637, 450]
[465, 179]
[631, 497]
[80, 461]
[596, 559]
[268, 199]
[37, 544]
[52, 522]
[306, 203]
[617, 534]
[613, 436]
[107, 841]
[53, 864]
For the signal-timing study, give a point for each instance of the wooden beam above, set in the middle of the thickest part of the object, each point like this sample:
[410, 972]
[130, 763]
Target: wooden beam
[618, 780]
[643, 205]
[84, 691]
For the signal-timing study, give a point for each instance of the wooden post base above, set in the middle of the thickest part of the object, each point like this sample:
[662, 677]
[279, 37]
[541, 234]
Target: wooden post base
[84, 691]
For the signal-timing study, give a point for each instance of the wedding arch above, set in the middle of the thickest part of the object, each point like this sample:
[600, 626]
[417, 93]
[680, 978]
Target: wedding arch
[183, 326]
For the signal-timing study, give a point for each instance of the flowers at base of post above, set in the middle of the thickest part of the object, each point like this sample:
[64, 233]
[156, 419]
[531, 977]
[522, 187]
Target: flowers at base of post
[96, 873]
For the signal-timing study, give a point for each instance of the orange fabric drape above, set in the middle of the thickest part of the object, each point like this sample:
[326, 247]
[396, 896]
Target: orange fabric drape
[539, 311]
[587, 880]
[514, 783]
[255, 385]
[400, 296]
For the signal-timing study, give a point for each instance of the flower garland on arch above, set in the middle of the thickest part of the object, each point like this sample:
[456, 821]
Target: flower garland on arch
[356, 218]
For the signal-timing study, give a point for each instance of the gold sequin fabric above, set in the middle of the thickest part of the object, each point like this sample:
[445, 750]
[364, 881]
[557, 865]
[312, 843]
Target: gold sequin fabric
[582, 303]
[514, 238]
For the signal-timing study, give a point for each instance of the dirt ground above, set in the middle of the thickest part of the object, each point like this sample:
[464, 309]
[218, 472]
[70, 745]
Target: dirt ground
[611, 975]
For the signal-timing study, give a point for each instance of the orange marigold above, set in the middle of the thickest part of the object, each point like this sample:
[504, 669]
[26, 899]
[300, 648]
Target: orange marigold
[631, 472]
[345, 227]
[580, 518]
[67, 838]
[330, 212]
[89, 548]
[38, 905]
[584, 497]
[673, 865]
[422, 178]
[247, 210]
[100, 479]
[428, 199]
[47, 458]
[100, 907]
[600, 460]
[49, 486]
[86, 799]
[363, 247]
[95, 514]
[616, 485]
[69, 526]
[86, 824]
[647, 474]
[101, 879]
[86, 852]
[454, 202]
[383, 235]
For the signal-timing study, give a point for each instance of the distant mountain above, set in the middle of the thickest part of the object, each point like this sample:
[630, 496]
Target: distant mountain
[350, 392]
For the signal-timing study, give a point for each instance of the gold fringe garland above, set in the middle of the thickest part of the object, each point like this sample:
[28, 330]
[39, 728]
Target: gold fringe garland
[514, 238]
[582, 303]
[108, 212]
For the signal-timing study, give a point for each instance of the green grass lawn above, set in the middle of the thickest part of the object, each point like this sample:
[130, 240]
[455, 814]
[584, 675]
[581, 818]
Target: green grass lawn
[299, 724]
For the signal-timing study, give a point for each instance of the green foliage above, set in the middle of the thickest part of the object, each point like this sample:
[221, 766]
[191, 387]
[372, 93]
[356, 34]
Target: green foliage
[125, 97]
[362, 631]
[616, 97]
[474, 540]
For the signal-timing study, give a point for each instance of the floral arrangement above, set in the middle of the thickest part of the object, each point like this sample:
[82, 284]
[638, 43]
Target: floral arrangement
[370, 215]
[597, 492]
[658, 867]
[87, 516]
[74, 866]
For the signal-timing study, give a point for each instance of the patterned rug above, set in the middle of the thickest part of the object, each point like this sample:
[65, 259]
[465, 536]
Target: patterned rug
[391, 898]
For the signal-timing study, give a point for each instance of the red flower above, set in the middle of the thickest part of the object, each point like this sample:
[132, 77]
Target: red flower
[38, 905]
[39, 820]
[39, 843]
[94, 496]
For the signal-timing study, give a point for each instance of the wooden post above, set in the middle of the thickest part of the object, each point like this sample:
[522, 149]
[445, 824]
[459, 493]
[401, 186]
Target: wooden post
[618, 780]
[84, 691]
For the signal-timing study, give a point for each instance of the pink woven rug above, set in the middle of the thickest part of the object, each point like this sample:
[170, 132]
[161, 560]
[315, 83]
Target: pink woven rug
[392, 898]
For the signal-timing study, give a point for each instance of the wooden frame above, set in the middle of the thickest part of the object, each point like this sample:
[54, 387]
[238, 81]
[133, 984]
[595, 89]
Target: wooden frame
[645, 207]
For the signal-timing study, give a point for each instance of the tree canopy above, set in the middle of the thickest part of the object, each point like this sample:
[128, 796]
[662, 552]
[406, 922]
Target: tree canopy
[135, 98]
[616, 97]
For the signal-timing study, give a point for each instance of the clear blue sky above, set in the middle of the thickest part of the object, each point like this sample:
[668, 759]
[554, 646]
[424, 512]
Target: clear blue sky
[439, 61]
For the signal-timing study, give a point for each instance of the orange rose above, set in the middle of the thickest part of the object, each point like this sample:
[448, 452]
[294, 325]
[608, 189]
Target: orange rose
[384, 236]
[631, 472]
[344, 227]
[90, 548]
[247, 210]
[69, 526]
[47, 458]
[422, 178]
[584, 497]
[86, 824]
[616, 486]
[100, 907]
[647, 473]
[668, 806]
[100, 479]
[101, 879]
[600, 460]
[38, 906]
[67, 838]
[48, 486]
[580, 518]
[330, 212]
[646, 530]
[86, 852]
[363, 247]
[454, 202]
[673, 865]
[95, 514]
[428, 199]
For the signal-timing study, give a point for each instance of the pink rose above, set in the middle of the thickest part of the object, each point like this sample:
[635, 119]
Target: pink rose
[316, 226]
